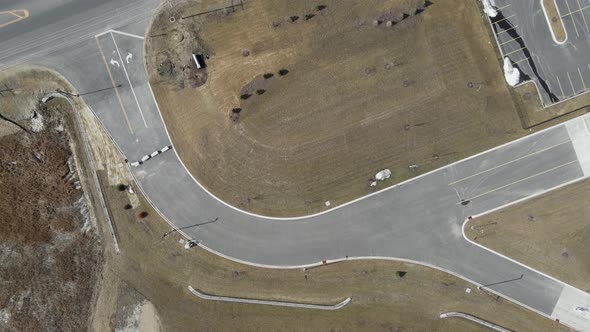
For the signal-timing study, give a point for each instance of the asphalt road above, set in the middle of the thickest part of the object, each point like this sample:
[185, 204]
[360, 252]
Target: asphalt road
[419, 220]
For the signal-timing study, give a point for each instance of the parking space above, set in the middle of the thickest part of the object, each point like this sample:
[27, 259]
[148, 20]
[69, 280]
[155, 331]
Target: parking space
[574, 15]
[559, 71]
[510, 41]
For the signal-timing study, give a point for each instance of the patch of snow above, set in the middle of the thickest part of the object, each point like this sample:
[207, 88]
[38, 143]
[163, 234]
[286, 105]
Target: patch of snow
[132, 322]
[37, 122]
[511, 73]
[489, 7]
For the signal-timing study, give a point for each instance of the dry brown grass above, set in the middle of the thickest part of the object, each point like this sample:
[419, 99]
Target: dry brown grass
[549, 233]
[48, 263]
[534, 115]
[555, 22]
[343, 112]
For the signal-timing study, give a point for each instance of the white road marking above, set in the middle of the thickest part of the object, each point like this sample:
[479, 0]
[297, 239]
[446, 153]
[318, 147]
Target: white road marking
[115, 62]
[582, 79]
[573, 22]
[560, 88]
[521, 60]
[128, 57]
[506, 42]
[583, 16]
[521, 180]
[514, 27]
[509, 162]
[575, 11]
[129, 80]
[119, 32]
[571, 84]
[504, 19]
[520, 49]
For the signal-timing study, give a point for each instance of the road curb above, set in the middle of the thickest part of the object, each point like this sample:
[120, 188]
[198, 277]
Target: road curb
[266, 302]
[475, 320]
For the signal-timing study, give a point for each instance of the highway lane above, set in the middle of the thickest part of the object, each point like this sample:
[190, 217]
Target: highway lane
[419, 220]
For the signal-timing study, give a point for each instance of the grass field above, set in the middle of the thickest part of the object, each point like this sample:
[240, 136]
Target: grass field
[357, 98]
[549, 233]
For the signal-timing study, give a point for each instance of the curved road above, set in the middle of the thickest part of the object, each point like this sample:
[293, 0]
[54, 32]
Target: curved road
[420, 220]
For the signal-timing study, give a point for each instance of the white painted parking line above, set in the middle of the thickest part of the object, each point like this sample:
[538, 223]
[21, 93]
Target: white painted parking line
[118, 32]
[129, 80]
[573, 22]
[512, 52]
[571, 84]
[575, 11]
[519, 181]
[560, 87]
[521, 60]
[582, 79]
[504, 19]
[503, 7]
[508, 41]
[114, 86]
[514, 27]
[509, 162]
[583, 16]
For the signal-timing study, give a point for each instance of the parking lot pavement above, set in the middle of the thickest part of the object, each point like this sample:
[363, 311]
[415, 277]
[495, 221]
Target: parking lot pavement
[560, 71]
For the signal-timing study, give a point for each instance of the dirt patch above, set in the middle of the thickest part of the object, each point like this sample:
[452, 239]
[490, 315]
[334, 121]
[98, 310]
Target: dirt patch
[49, 254]
[355, 99]
[549, 233]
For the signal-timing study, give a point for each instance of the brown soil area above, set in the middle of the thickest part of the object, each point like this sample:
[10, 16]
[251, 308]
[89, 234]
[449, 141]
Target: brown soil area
[359, 96]
[554, 18]
[549, 233]
[49, 254]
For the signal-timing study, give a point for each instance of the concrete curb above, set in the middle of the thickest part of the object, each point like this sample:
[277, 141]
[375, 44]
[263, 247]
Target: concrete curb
[475, 320]
[275, 303]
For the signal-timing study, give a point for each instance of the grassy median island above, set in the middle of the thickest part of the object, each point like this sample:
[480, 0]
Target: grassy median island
[554, 19]
[549, 233]
[302, 102]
